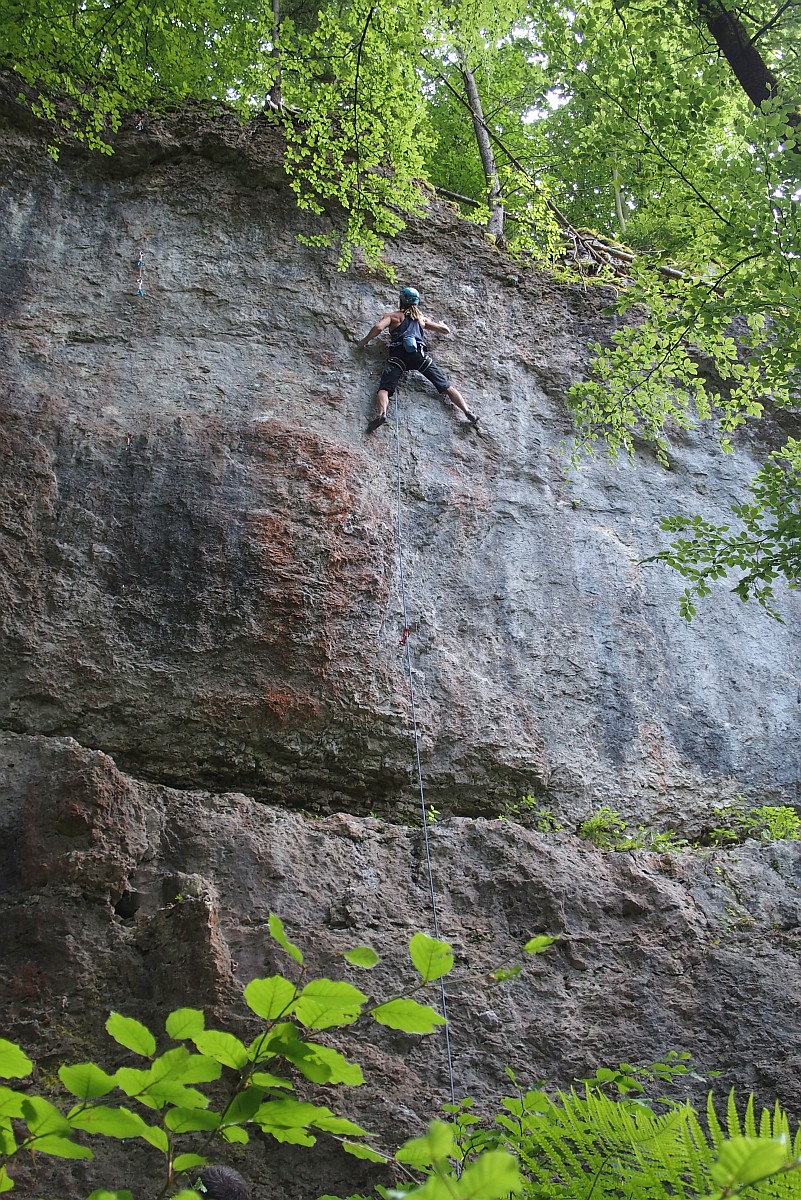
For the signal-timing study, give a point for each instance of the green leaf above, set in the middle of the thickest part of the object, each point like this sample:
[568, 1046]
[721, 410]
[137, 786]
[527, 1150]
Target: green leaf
[437, 1143]
[290, 1136]
[493, 1175]
[235, 1133]
[745, 1160]
[156, 1137]
[243, 1106]
[264, 1079]
[172, 1065]
[276, 926]
[434, 1188]
[111, 1122]
[320, 1064]
[538, 945]
[222, 1047]
[431, 958]
[6, 1182]
[324, 1003]
[42, 1117]
[8, 1142]
[132, 1034]
[359, 1150]
[169, 1092]
[191, 1120]
[503, 974]
[60, 1147]
[132, 1081]
[198, 1068]
[185, 1162]
[340, 1125]
[335, 1068]
[296, 1115]
[87, 1081]
[105, 1194]
[184, 1023]
[408, 1016]
[270, 998]
[362, 956]
[288, 1112]
[14, 1062]
[11, 1102]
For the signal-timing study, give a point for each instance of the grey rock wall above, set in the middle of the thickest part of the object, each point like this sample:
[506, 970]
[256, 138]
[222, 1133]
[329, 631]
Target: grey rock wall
[200, 570]
[132, 896]
[201, 631]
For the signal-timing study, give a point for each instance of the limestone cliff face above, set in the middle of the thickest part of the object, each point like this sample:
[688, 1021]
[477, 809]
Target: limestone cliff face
[198, 538]
[201, 628]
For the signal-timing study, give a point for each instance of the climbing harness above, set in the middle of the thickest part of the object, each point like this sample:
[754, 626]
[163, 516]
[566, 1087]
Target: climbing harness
[405, 641]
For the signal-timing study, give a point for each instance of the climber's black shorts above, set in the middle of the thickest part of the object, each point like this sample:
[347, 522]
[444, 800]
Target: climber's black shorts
[399, 362]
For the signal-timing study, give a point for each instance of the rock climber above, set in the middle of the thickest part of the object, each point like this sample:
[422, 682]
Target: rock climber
[408, 352]
[222, 1183]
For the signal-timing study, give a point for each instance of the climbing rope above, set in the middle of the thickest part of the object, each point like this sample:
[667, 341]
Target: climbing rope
[406, 641]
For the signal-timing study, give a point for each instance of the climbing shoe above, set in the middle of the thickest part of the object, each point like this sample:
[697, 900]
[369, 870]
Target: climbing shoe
[472, 419]
[377, 422]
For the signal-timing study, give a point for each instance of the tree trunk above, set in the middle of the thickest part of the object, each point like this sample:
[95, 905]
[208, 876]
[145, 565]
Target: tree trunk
[494, 199]
[621, 220]
[275, 91]
[741, 54]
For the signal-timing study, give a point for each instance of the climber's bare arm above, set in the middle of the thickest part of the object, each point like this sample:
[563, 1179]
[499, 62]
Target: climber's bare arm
[437, 326]
[378, 328]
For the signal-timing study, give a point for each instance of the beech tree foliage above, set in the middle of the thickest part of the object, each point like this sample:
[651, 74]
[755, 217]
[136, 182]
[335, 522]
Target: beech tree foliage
[208, 1089]
[655, 145]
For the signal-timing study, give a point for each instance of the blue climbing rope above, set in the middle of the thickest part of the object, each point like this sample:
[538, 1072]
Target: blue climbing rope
[407, 643]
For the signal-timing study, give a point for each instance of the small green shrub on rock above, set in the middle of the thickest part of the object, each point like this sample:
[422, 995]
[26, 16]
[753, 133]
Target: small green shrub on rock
[738, 822]
[529, 811]
[607, 830]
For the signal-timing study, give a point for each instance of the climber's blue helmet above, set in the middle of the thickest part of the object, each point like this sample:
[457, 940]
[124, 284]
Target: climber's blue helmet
[408, 297]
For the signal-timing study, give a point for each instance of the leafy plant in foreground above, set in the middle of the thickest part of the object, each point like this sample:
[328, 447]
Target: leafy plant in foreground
[165, 1097]
[628, 1150]
[581, 1143]
[588, 1143]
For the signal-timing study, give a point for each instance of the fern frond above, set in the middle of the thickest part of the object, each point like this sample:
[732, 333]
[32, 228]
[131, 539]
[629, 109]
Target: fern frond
[591, 1147]
[797, 1144]
[698, 1154]
[749, 1123]
[733, 1117]
[715, 1131]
